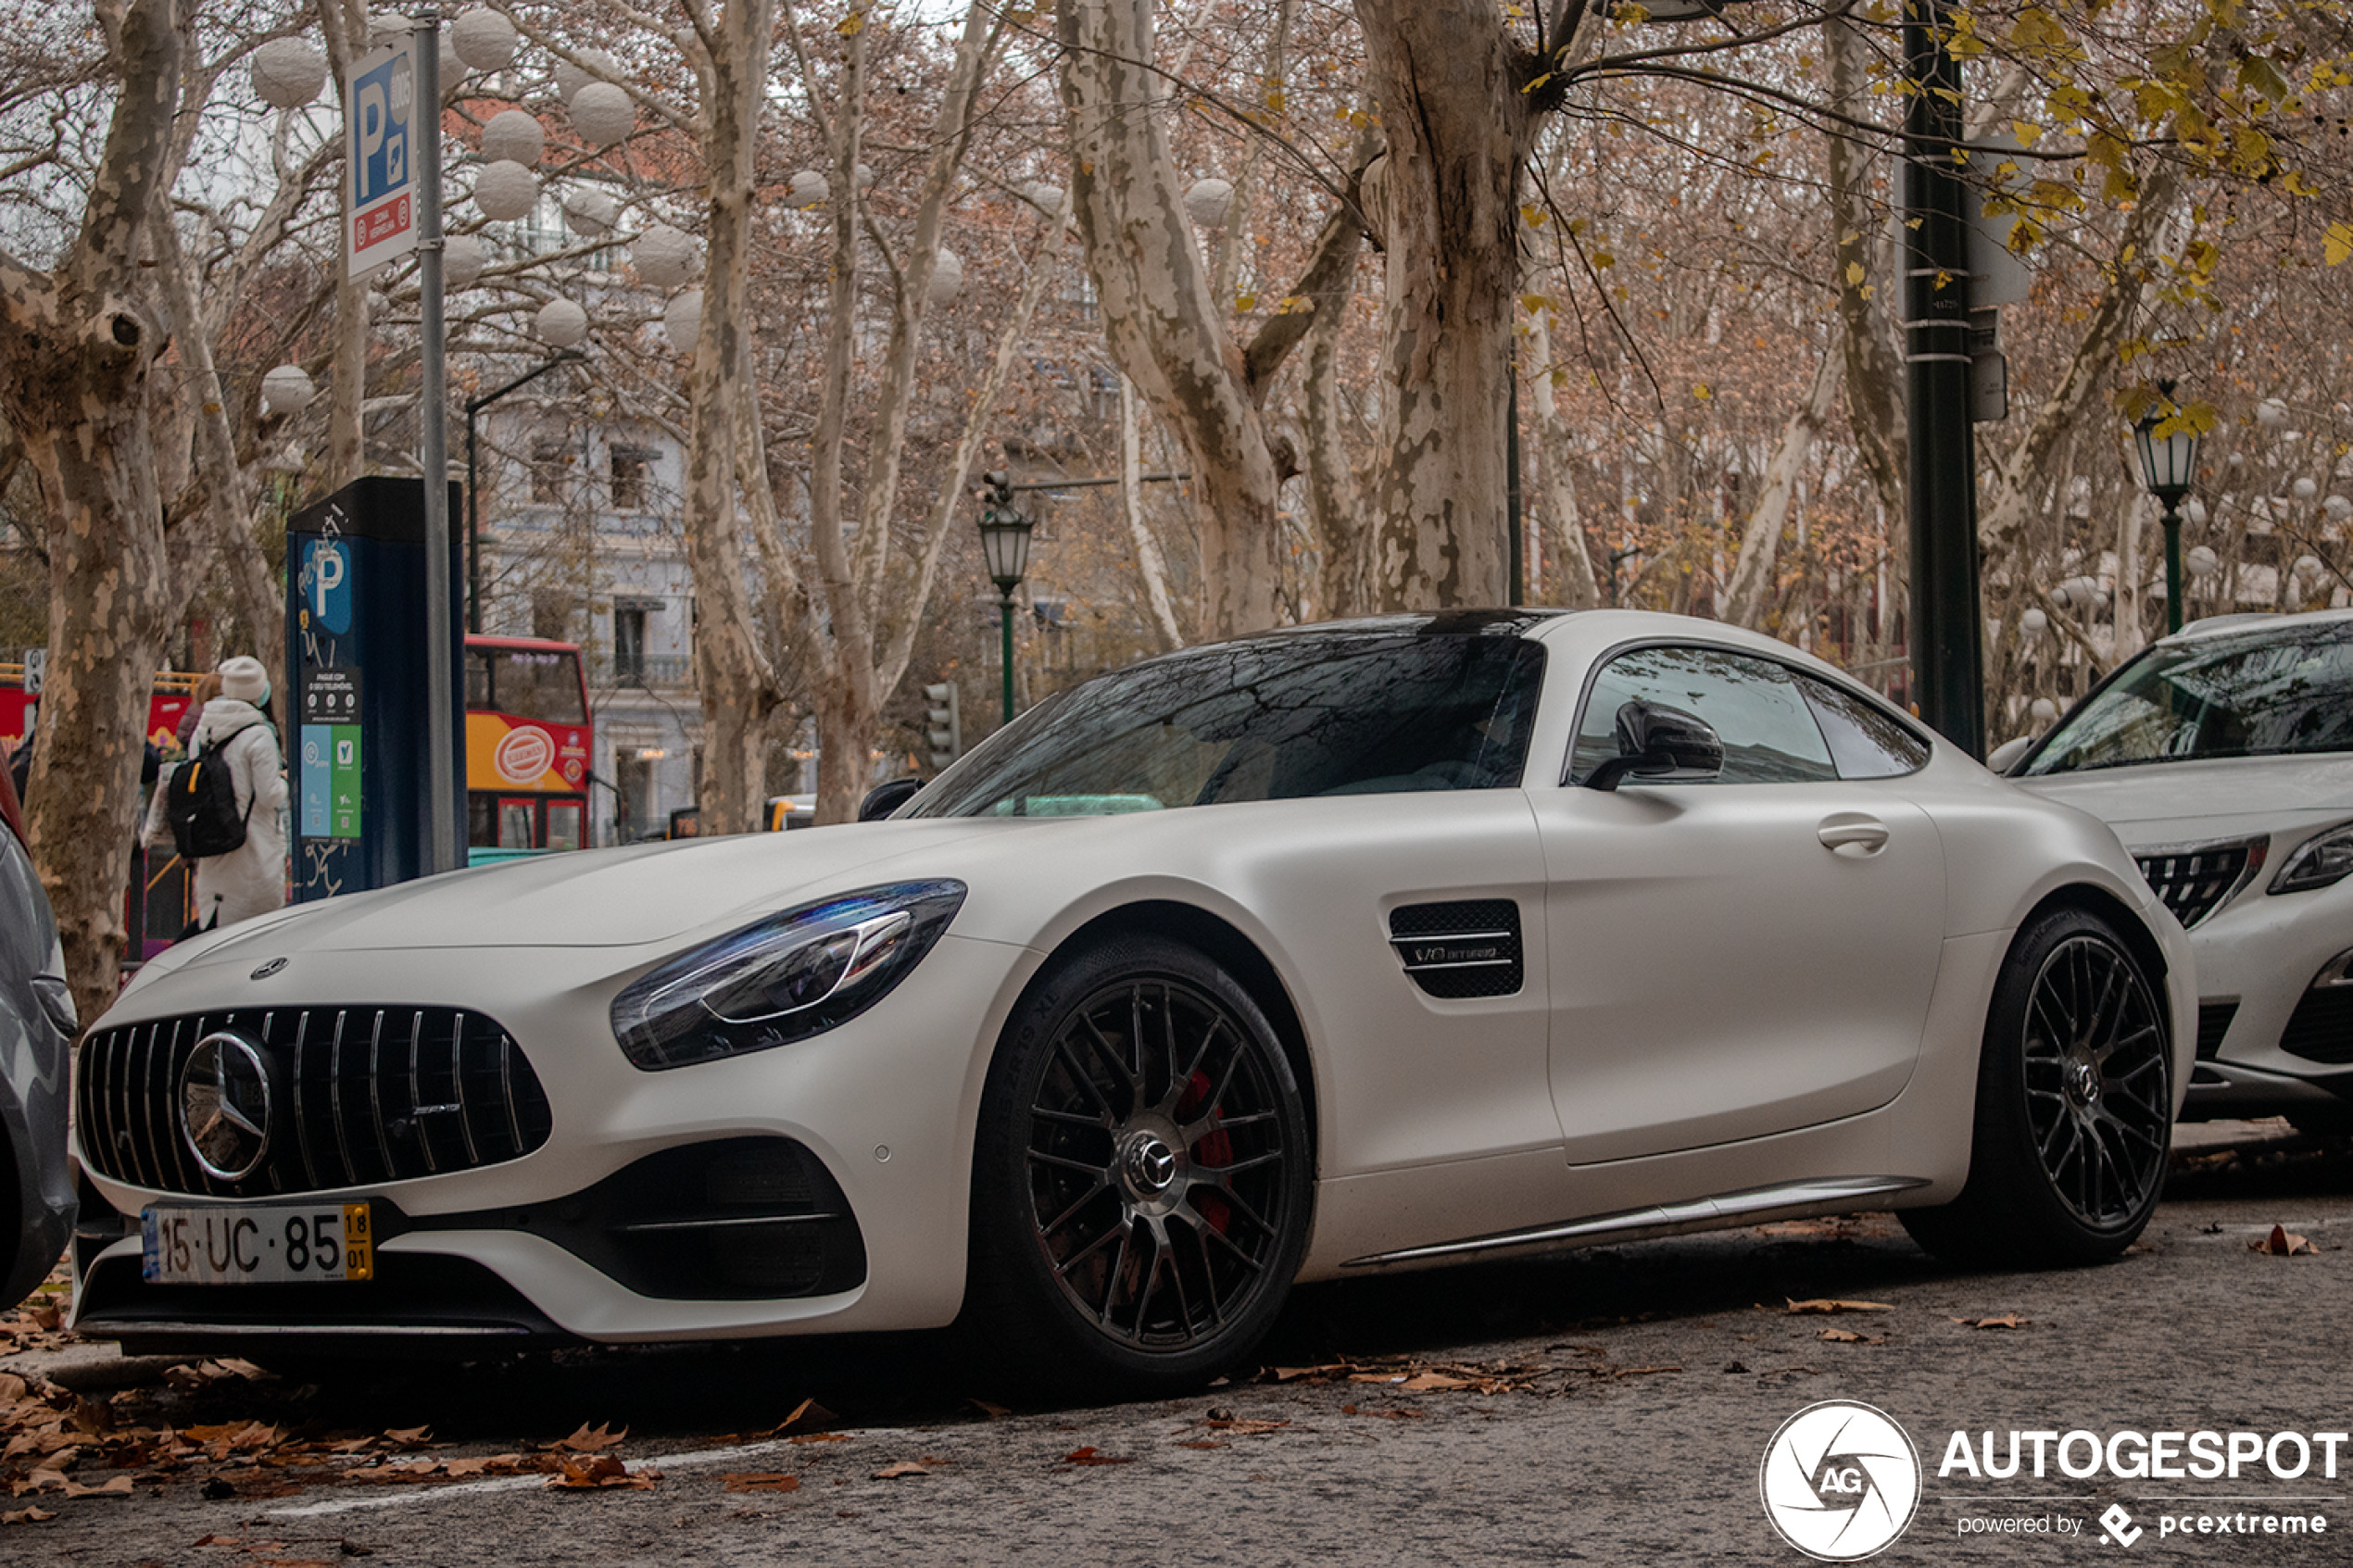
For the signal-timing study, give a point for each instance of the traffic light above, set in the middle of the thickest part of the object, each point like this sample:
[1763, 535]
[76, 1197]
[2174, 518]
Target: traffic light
[945, 724]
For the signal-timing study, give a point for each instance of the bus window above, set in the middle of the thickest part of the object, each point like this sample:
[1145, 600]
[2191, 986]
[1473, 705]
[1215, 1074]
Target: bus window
[516, 822]
[565, 824]
[541, 684]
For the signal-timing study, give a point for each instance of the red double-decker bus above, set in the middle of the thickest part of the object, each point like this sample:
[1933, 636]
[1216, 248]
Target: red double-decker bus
[529, 741]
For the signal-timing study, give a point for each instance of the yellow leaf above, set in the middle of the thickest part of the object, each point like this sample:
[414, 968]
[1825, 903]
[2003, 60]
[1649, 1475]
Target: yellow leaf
[1532, 215]
[2026, 130]
[1536, 82]
[2337, 244]
[1275, 99]
[1854, 273]
[1849, 237]
[852, 24]
[1702, 392]
[1245, 302]
[1533, 302]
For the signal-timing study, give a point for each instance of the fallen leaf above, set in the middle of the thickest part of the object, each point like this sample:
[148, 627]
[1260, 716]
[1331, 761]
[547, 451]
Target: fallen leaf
[1291, 1374]
[584, 1441]
[2009, 1321]
[751, 1481]
[1643, 1371]
[1091, 1455]
[2282, 1243]
[988, 1411]
[1848, 1337]
[1200, 1443]
[1421, 1382]
[27, 1516]
[822, 1438]
[1826, 1304]
[117, 1487]
[1376, 1377]
[906, 1467]
[598, 1470]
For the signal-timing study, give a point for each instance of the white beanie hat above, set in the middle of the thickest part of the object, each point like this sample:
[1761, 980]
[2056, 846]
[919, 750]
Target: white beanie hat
[245, 679]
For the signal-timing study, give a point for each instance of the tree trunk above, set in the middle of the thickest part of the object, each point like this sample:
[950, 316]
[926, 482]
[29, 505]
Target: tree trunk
[1750, 593]
[1444, 76]
[1874, 379]
[1151, 568]
[74, 359]
[1579, 589]
[738, 689]
[344, 27]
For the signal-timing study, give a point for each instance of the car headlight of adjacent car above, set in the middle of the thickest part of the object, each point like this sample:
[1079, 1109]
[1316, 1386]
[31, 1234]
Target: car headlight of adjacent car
[2320, 860]
[785, 978]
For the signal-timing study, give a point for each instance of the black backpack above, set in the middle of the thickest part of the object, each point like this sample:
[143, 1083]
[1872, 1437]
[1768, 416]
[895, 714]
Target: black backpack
[202, 808]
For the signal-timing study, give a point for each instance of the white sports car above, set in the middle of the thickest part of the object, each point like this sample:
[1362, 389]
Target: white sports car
[1345, 948]
[2224, 757]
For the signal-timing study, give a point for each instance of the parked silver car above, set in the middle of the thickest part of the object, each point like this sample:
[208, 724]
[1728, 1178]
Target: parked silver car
[2222, 755]
[36, 1036]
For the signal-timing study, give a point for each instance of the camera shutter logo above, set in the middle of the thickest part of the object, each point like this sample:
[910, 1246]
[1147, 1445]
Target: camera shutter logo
[224, 1106]
[1841, 1480]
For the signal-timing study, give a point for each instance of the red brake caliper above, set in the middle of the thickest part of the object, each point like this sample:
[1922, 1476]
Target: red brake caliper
[1213, 1149]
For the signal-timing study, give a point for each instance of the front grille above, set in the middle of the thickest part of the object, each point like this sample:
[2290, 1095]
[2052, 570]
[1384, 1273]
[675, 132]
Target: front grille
[1463, 950]
[2321, 1028]
[2213, 1023]
[361, 1096]
[2195, 881]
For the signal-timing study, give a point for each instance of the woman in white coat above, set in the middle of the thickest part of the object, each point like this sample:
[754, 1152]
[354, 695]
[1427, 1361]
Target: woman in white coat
[251, 879]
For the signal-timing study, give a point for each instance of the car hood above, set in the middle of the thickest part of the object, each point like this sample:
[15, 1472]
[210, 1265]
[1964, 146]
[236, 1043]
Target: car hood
[623, 898]
[2189, 802]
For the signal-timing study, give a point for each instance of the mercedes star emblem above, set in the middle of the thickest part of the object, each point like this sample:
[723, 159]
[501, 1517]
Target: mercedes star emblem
[266, 971]
[224, 1106]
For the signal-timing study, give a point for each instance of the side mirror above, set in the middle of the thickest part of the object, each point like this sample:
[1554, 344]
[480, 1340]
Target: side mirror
[1659, 743]
[2005, 755]
[884, 798]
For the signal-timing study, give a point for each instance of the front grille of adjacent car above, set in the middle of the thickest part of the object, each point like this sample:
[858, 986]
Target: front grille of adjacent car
[2322, 1027]
[2195, 880]
[362, 1096]
[1463, 950]
[2213, 1023]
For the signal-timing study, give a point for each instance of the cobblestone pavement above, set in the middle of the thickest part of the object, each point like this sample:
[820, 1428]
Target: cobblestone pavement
[1611, 1406]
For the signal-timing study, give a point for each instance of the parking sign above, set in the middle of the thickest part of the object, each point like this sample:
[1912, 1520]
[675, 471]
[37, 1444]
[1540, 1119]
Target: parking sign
[379, 148]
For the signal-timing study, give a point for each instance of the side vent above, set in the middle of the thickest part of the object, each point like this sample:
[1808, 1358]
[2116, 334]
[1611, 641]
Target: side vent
[1460, 950]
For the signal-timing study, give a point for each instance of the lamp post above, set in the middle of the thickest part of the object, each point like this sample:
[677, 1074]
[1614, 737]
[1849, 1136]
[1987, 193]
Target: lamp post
[474, 407]
[2168, 464]
[1004, 544]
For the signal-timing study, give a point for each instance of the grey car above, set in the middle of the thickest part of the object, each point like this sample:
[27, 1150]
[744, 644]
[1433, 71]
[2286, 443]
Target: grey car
[36, 1037]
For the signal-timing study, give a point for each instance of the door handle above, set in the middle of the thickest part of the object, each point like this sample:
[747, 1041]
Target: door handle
[1852, 834]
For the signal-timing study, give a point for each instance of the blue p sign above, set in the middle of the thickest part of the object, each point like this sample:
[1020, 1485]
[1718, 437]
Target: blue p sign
[326, 583]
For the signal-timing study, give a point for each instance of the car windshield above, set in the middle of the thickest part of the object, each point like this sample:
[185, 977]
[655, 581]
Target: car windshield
[1272, 718]
[2268, 692]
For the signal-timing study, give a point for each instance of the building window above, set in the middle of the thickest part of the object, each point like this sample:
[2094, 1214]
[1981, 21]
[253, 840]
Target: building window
[630, 468]
[551, 471]
[629, 644]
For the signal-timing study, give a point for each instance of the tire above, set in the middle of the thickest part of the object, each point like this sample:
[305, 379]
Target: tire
[1138, 1214]
[2074, 1106]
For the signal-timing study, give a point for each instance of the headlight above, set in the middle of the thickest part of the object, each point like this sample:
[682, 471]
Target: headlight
[783, 979]
[2322, 860]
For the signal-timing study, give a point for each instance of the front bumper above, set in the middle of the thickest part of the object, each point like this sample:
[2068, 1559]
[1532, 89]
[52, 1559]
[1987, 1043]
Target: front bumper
[2258, 957]
[606, 1232]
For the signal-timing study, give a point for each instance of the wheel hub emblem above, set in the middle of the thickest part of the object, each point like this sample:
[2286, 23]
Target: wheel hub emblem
[224, 1106]
[1150, 1165]
[2082, 1083]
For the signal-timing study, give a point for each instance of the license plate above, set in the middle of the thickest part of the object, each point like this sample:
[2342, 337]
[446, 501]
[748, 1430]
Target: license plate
[266, 1243]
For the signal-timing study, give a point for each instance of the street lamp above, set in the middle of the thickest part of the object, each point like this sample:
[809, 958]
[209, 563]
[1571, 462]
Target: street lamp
[475, 406]
[1004, 544]
[2168, 465]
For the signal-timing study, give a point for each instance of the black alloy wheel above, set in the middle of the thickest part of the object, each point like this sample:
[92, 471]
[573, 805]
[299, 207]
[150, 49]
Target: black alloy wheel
[2098, 1094]
[2074, 1104]
[1142, 1173]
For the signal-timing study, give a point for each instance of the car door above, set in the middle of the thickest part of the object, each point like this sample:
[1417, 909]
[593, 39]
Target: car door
[1743, 956]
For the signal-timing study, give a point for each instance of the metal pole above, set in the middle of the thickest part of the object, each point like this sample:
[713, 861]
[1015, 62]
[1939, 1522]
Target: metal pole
[1947, 621]
[433, 456]
[1516, 584]
[1005, 619]
[2172, 566]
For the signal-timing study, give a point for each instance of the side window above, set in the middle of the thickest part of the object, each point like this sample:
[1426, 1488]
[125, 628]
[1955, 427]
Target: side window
[1769, 732]
[1865, 743]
